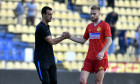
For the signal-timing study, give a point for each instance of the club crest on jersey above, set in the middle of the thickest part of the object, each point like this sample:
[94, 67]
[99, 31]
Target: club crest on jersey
[101, 68]
[94, 35]
[99, 29]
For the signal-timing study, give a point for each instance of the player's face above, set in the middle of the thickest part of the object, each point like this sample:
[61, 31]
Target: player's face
[94, 15]
[48, 16]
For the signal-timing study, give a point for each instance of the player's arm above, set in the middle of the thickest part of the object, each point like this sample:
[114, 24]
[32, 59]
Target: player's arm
[108, 43]
[78, 39]
[54, 41]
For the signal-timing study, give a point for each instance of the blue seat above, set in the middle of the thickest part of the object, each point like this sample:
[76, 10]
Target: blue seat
[9, 36]
[2, 46]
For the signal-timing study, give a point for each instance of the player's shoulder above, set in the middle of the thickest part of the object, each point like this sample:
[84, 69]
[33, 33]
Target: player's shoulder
[90, 24]
[103, 22]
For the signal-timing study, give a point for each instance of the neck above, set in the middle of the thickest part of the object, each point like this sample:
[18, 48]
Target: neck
[98, 21]
[45, 22]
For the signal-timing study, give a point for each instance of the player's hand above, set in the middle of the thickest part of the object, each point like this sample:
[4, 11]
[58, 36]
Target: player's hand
[66, 35]
[100, 55]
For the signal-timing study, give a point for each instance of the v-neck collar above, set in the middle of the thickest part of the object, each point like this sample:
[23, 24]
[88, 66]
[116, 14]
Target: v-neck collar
[97, 24]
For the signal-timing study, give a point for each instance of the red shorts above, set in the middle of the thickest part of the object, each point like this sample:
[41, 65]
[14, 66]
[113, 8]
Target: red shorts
[95, 65]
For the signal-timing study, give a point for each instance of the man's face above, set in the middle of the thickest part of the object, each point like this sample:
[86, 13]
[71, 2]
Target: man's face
[94, 15]
[48, 15]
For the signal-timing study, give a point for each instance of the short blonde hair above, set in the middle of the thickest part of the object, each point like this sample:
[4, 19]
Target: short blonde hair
[95, 8]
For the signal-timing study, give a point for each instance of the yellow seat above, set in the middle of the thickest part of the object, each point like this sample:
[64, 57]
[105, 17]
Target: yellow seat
[121, 3]
[112, 58]
[109, 9]
[65, 47]
[74, 66]
[64, 15]
[131, 27]
[64, 23]
[134, 11]
[59, 47]
[104, 10]
[3, 13]
[31, 38]
[123, 18]
[133, 34]
[130, 19]
[18, 65]
[24, 37]
[4, 5]
[71, 23]
[85, 48]
[70, 15]
[10, 20]
[133, 3]
[120, 57]
[31, 29]
[83, 23]
[127, 3]
[63, 7]
[57, 14]
[59, 30]
[76, 15]
[11, 28]
[32, 66]
[77, 23]
[57, 22]
[85, 9]
[25, 29]
[18, 28]
[79, 57]
[72, 47]
[11, 5]
[24, 65]
[60, 56]
[57, 6]
[2, 64]
[138, 3]
[10, 65]
[122, 11]
[80, 65]
[128, 11]
[79, 48]
[67, 65]
[125, 25]
[117, 10]
[136, 19]
[71, 31]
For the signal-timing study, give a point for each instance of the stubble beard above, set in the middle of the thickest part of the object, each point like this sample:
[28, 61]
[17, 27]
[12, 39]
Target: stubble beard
[95, 20]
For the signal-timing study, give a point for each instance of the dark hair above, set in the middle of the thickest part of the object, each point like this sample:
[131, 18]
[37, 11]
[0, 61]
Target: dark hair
[44, 9]
[95, 8]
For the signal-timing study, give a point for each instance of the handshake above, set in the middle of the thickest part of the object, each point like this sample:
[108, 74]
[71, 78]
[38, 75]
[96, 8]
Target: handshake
[66, 35]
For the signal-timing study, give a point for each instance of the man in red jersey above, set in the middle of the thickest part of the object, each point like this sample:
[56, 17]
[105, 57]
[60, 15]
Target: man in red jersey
[99, 35]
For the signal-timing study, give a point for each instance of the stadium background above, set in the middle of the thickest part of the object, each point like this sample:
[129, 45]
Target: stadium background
[17, 42]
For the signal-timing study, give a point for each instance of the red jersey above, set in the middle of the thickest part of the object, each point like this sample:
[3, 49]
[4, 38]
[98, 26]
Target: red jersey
[97, 39]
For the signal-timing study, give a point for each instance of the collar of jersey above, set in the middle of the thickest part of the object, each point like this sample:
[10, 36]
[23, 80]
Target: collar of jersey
[97, 24]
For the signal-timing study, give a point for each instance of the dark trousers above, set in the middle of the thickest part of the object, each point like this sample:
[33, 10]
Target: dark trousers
[30, 20]
[47, 73]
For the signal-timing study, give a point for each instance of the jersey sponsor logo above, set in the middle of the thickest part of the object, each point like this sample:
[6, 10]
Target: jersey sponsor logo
[99, 29]
[101, 68]
[94, 35]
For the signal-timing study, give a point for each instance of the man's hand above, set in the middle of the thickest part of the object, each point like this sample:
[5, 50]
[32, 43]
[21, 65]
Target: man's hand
[66, 35]
[100, 55]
